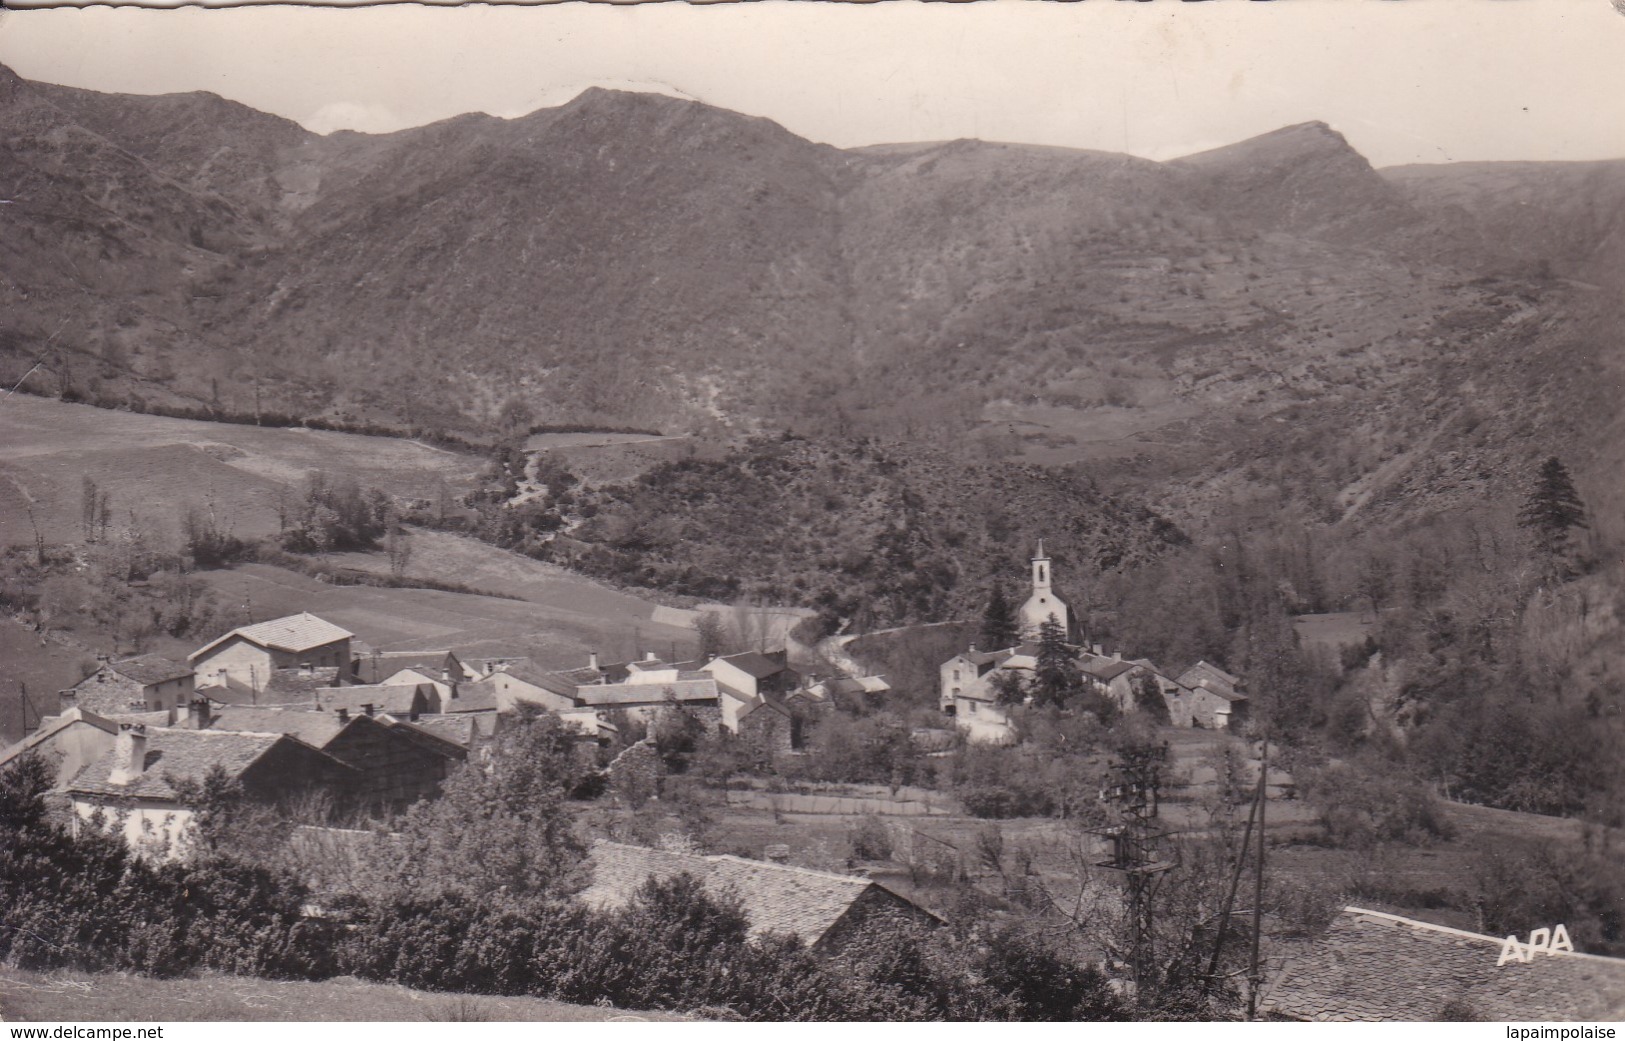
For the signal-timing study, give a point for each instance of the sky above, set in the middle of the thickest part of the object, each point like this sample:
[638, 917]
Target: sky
[1404, 80]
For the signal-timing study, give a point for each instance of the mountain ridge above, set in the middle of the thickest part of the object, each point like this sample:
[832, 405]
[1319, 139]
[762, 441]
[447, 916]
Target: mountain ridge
[637, 258]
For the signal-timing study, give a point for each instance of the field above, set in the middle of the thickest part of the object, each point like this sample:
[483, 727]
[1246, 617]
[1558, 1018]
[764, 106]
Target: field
[558, 625]
[156, 466]
[1334, 630]
[31, 997]
[42, 667]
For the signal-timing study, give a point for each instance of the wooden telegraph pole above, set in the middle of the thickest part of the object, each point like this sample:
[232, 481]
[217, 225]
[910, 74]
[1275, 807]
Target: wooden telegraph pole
[1132, 788]
[1254, 979]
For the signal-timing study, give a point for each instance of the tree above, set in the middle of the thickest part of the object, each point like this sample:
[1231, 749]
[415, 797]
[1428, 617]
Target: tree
[1009, 687]
[1055, 676]
[499, 825]
[999, 625]
[712, 634]
[396, 546]
[1553, 510]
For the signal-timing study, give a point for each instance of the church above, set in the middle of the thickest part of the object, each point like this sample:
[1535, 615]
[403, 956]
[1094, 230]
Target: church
[1043, 604]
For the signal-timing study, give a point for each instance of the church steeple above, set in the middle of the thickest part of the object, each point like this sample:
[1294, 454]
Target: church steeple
[1043, 605]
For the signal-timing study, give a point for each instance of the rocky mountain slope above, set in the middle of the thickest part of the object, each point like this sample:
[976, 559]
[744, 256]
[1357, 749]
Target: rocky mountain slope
[1271, 315]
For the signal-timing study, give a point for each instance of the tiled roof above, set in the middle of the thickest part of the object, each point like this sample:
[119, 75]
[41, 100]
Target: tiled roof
[1371, 966]
[231, 692]
[311, 727]
[1108, 670]
[150, 669]
[1206, 674]
[857, 685]
[776, 897]
[50, 726]
[478, 696]
[463, 730]
[295, 633]
[648, 693]
[394, 698]
[379, 666]
[756, 664]
[182, 754]
[292, 684]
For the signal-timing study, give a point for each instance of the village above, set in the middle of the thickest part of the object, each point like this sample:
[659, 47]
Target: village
[297, 712]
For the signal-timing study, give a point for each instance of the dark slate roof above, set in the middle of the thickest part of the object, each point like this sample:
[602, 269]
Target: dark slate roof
[775, 897]
[464, 729]
[394, 698]
[1373, 967]
[478, 696]
[755, 663]
[289, 684]
[295, 633]
[150, 669]
[232, 692]
[1108, 670]
[379, 666]
[182, 754]
[309, 726]
[648, 693]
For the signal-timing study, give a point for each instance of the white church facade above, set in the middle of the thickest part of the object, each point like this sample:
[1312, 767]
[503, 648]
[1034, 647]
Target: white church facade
[1043, 604]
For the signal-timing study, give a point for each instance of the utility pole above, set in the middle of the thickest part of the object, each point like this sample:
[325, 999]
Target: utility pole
[1133, 788]
[1230, 896]
[1254, 979]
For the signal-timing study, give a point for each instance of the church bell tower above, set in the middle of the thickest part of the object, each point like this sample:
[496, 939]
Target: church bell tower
[1043, 604]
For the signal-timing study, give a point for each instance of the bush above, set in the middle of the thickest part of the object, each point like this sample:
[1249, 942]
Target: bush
[871, 839]
[1363, 805]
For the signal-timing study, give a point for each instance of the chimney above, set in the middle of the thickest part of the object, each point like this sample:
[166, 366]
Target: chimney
[200, 714]
[305, 669]
[67, 699]
[1096, 649]
[129, 753]
[649, 656]
[344, 714]
[367, 708]
[592, 660]
[777, 853]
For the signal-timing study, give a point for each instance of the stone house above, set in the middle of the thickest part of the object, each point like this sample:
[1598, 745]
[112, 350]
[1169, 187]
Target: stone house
[1218, 700]
[397, 763]
[252, 654]
[144, 683]
[69, 742]
[824, 909]
[131, 788]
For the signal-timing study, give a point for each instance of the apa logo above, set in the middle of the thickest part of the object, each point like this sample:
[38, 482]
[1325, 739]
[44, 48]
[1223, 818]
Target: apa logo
[1549, 940]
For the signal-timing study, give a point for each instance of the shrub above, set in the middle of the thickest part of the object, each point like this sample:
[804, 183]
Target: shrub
[1363, 805]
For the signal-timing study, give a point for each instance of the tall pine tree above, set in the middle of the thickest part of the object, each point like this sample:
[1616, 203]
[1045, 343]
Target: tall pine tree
[1553, 510]
[999, 626]
[1055, 674]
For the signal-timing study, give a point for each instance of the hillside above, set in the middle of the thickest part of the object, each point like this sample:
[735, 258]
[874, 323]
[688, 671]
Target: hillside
[643, 260]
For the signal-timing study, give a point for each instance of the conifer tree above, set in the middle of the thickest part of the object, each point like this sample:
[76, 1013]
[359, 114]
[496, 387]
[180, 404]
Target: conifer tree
[1055, 675]
[1553, 509]
[999, 626]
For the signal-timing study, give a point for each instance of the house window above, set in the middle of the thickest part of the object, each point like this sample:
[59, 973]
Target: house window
[973, 708]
